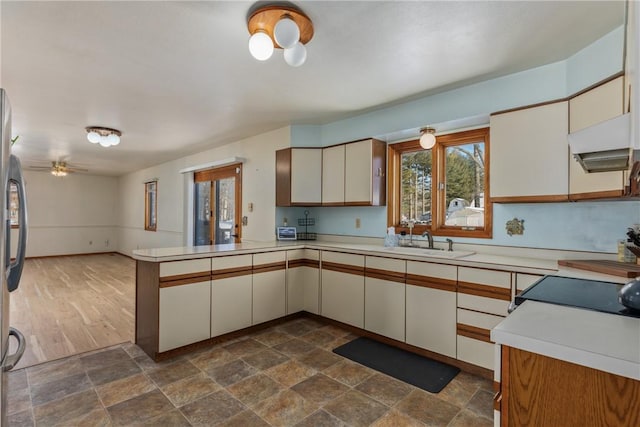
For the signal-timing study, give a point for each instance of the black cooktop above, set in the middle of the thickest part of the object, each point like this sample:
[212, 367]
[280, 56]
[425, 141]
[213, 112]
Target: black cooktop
[582, 293]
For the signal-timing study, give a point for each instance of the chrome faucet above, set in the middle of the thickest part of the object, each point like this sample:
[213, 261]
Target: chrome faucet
[429, 238]
[450, 242]
[410, 225]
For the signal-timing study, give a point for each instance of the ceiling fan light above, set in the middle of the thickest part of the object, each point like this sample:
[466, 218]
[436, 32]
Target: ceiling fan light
[428, 139]
[261, 46]
[113, 139]
[295, 56]
[286, 32]
[93, 137]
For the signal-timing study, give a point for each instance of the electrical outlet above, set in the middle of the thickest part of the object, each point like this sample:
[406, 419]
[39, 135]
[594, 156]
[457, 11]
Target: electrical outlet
[357, 222]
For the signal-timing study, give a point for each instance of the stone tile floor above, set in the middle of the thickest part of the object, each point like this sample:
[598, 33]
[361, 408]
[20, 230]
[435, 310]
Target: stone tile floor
[282, 376]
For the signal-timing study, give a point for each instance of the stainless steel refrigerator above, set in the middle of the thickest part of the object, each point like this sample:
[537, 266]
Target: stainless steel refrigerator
[11, 268]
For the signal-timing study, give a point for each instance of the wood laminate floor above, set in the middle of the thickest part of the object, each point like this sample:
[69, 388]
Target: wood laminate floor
[73, 304]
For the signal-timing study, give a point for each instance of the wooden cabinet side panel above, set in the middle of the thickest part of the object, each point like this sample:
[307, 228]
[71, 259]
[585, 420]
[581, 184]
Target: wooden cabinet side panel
[147, 304]
[546, 391]
[283, 177]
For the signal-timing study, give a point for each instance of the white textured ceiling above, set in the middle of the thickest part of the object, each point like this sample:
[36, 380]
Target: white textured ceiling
[176, 77]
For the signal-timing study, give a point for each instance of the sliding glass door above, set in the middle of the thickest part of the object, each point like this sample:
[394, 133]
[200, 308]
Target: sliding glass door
[218, 205]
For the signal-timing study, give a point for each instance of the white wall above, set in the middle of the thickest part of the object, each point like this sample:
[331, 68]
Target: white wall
[70, 215]
[258, 187]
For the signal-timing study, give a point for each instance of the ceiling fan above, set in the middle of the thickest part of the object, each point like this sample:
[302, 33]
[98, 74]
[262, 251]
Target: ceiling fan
[59, 168]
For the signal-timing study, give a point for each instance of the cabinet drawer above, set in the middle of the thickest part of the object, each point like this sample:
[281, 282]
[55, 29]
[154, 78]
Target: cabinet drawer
[386, 264]
[173, 270]
[235, 262]
[269, 258]
[481, 276]
[341, 258]
[523, 281]
[486, 305]
[426, 269]
[303, 254]
[473, 337]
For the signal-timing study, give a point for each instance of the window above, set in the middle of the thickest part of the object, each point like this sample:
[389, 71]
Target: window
[14, 206]
[444, 190]
[150, 205]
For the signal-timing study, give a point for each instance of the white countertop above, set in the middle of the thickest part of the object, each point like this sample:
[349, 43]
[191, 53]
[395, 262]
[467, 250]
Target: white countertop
[602, 341]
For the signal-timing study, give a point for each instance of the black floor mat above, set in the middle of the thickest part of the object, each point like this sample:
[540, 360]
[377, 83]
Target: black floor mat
[411, 368]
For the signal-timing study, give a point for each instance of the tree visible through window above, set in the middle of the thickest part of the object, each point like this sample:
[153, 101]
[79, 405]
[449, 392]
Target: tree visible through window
[443, 190]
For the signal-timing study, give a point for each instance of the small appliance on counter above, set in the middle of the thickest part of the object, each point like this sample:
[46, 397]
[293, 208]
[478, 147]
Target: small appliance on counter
[581, 293]
[286, 233]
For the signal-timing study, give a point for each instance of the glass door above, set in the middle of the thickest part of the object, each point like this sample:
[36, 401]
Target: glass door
[218, 206]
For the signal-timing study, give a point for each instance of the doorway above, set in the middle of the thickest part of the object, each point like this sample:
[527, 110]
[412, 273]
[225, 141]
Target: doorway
[217, 207]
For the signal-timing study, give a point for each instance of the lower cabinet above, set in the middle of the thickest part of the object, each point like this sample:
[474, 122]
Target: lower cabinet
[384, 302]
[177, 326]
[431, 307]
[269, 286]
[483, 301]
[303, 281]
[343, 288]
[537, 390]
[231, 294]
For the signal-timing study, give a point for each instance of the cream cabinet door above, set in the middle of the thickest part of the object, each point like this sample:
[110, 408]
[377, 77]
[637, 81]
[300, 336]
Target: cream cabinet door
[342, 292]
[384, 302]
[529, 156]
[333, 175]
[269, 286]
[184, 315]
[306, 175]
[303, 281]
[474, 345]
[431, 307]
[597, 105]
[230, 304]
[358, 172]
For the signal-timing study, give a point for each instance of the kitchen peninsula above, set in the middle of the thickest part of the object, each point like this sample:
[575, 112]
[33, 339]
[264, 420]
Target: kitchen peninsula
[442, 304]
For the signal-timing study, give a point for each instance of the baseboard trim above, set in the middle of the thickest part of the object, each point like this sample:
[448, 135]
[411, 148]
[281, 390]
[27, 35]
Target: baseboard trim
[81, 254]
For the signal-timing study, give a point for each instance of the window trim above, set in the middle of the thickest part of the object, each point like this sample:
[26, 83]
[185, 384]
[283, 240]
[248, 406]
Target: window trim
[437, 227]
[147, 209]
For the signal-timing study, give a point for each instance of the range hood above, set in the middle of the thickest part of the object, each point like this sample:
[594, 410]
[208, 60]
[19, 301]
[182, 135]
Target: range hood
[605, 146]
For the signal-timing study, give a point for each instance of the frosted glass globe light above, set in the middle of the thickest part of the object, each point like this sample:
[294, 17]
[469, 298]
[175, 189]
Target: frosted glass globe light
[113, 139]
[296, 55]
[93, 137]
[260, 46]
[427, 140]
[104, 142]
[286, 32]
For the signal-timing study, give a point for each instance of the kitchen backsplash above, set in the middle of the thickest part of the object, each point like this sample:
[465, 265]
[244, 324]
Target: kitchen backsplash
[583, 226]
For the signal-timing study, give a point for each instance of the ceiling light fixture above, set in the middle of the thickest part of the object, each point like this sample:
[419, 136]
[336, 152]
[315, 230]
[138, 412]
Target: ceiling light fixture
[106, 137]
[428, 138]
[282, 27]
[59, 169]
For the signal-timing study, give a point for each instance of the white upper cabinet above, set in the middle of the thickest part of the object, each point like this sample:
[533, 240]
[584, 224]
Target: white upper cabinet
[529, 154]
[365, 163]
[601, 103]
[333, 175]
[299, 177]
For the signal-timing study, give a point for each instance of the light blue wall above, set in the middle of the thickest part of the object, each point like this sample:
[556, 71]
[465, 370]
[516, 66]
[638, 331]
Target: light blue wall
[585, 226]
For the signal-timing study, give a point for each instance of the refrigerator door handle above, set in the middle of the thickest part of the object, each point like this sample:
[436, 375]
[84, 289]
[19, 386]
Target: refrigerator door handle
[14, 269]
[12, 359]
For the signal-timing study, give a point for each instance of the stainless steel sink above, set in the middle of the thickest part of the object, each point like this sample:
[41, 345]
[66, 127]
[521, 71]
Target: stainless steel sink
[432, 253]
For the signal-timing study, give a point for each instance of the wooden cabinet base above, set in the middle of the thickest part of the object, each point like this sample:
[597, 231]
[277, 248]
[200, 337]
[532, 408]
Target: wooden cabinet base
[540, 391]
